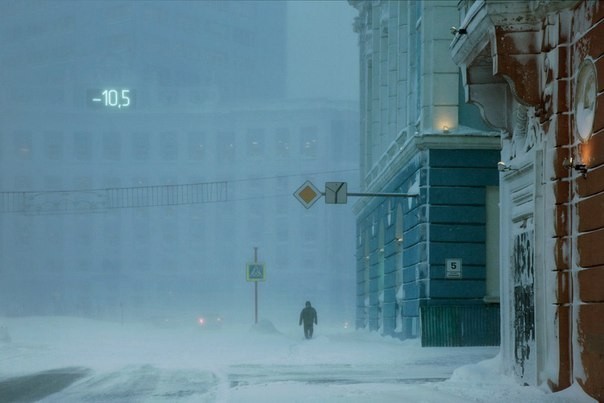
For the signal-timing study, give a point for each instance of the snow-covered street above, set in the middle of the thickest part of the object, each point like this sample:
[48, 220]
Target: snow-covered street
[59, 359]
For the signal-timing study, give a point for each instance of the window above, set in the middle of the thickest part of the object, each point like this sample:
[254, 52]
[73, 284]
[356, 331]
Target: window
[418, 60]
[169, 146]
[23, 234]
[196, 145]
[112, 146]
[141, 228]
[140, 146]
[53, 182]
[282, 259]
[23, 144]
[226, 146]
[255, 143]
[492, 244]
[282, 142]
[366, 265]
[282, 186]
[398, 239]
[112, 231]
[111, 266]
[83, 231]
[308, 141]
[167, 96]
[110, 182]
[283, 231]
[337, 147]
[370, 139]
[82, 182]
[169, 231]
[53, 145]
[197, 227]
[82, 146]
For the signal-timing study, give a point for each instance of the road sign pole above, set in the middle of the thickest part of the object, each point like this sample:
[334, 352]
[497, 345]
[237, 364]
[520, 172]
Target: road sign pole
[255, 288]
[336, 193]
[255, 302]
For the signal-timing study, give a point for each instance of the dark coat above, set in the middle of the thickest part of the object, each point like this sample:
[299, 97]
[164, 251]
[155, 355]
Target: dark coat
[308, 316]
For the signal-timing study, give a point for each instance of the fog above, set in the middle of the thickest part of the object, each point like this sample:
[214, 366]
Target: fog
[147, 148]
[150, 152]
[322, 52]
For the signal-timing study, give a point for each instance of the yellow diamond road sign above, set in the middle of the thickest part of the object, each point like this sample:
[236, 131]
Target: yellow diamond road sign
[307, 194]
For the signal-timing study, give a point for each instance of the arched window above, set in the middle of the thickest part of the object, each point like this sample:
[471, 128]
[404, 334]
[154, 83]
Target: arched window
[400, 292]
[380, 279]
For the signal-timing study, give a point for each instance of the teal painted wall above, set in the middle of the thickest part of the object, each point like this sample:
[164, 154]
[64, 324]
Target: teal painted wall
[447, 220]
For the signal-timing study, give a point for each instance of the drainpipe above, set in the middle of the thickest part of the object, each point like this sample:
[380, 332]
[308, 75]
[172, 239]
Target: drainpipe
[571, 285]
[428, 170]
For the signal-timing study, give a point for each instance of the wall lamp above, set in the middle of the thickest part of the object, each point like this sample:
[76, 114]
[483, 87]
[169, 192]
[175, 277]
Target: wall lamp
[503, 167]
[576, 165]
[460, 31]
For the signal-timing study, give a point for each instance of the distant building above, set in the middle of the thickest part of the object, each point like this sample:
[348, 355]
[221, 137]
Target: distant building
[139, 166]
[172, 55]
[427, 266]
[535, 70]
[97, 256]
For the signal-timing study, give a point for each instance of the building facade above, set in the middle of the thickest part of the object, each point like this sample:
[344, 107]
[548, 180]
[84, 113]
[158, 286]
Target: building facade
[159, 245]
[139, 168]
[427, 263]
[535, 70]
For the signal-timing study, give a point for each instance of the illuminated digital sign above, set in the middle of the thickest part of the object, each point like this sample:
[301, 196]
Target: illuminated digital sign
[111, 98]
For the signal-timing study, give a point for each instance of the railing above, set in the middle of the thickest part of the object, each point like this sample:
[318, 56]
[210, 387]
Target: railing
[81, 201]
[460, 325]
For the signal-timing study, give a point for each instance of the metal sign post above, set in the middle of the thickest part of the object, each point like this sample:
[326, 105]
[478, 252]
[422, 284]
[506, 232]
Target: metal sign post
[336, 193]
[255, 272]
[255, 290]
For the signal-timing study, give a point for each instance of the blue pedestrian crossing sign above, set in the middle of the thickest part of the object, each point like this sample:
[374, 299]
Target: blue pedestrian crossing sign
[255, 272]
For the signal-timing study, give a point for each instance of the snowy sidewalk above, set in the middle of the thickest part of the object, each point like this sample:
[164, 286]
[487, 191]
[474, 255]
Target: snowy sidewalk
[142, 363]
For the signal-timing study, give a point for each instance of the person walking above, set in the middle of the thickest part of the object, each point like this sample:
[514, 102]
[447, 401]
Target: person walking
[308, 317]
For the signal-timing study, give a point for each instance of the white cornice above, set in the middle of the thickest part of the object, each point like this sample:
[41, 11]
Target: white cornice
[485, 15]
[470, 141]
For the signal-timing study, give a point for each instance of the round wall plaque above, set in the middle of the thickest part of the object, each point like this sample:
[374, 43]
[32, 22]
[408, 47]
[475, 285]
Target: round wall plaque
[585, 99]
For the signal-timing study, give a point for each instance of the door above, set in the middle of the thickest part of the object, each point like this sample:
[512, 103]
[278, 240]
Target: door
[522, 233]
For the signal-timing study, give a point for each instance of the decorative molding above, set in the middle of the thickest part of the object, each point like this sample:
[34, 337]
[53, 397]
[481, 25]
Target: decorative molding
[586, 92]
[401, 154]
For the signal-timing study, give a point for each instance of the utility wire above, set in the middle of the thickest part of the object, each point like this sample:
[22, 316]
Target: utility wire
[293, 175]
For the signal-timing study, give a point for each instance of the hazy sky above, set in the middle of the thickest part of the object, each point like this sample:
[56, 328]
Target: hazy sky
[101, 148]
[322, 50]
